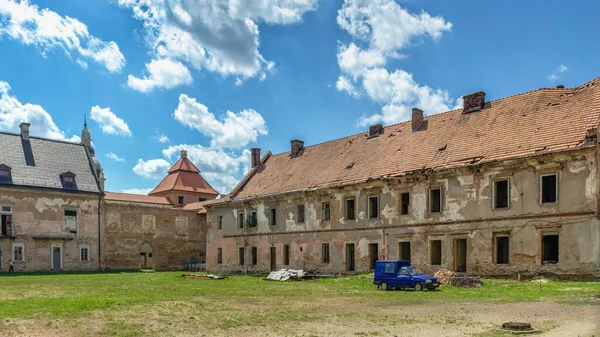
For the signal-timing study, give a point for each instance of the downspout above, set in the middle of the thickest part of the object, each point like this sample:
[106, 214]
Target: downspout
[99, 234]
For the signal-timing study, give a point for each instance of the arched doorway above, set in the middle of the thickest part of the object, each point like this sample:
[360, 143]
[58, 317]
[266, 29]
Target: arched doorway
[146, 256]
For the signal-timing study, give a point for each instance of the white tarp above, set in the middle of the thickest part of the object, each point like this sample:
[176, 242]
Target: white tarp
[285, 274]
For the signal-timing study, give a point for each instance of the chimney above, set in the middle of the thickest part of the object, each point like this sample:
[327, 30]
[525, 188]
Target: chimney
[255, 157]
[24, 130]
[375, 130]
[183, 153]
[473, 102]
[417, 118]
[560, 86]
[297, 146]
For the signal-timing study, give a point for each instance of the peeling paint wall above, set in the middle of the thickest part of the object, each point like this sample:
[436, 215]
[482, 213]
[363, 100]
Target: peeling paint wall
[468, 213]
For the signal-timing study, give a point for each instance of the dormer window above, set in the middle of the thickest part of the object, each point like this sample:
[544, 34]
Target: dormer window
[67, 180]
[5, 175]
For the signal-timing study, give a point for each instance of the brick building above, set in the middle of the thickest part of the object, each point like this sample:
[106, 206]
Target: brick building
[497, 187]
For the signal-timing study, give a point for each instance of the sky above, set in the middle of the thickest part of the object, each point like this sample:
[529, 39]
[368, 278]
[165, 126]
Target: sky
[218, 77]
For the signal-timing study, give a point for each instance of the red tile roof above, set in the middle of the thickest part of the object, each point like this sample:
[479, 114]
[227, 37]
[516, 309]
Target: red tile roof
[184, 177]
[126, 197]
[539, 121]
[195, 206]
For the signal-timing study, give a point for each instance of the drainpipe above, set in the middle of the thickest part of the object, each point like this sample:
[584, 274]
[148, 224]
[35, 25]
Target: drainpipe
[99, 234]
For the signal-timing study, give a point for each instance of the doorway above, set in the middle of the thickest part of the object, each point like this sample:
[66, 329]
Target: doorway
[56, 257]
[146, 256]
[373, 255]
[350, 266]
[273, 258]
[460, 255]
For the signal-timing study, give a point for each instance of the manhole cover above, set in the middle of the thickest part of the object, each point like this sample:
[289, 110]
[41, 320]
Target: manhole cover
[517, 326]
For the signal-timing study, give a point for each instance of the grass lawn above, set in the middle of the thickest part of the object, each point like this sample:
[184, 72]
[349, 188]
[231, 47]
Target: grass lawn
[145, 303]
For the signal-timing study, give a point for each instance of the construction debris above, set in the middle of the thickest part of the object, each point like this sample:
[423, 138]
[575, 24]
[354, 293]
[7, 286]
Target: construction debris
[289, 274]
[460, 280]
[203, 277]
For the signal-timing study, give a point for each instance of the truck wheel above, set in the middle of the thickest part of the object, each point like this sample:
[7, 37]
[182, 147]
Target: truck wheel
[418, 286]
[383, 286]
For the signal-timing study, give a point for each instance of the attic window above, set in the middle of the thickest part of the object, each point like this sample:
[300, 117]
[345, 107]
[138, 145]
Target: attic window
[5, 175]
[67, 180]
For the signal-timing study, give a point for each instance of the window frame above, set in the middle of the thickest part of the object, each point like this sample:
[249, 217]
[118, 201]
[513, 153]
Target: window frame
[87, 248]
[301, 210]
[3, 211]
[541, 182]
[346, 213]
[431, 252]
[254, 255]
[220, 222]
[272, 217]
[402, 204]
[241, 256]
[328, 209]
[369, 215]
[325, 258]
[495, 191]
[495, 246]
[180, 199]
[241, 218]
[545, 234]
[286, 255]
[430, 203]
[253, 219]
[18, 245]
[8, 171]
[70, 209]
[219, 255]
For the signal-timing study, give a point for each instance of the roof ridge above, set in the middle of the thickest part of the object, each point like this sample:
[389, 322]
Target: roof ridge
[41, 138]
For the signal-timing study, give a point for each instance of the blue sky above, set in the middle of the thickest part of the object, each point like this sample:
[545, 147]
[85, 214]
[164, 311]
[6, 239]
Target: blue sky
[219, 77]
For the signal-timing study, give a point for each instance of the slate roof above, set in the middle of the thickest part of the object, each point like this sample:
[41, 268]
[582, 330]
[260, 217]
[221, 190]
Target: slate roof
[184, 176]
[52, 158]
[536, 122]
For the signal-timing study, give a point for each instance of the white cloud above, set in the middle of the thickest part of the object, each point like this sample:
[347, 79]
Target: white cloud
[143, 191]
[234, 130]
[344, 84]
[220, 36]
[151, 169]
[163, 73]
[556, 74]
[13, 112]
[163, 139]
[115, 157]
[47, 30]
[109, 122]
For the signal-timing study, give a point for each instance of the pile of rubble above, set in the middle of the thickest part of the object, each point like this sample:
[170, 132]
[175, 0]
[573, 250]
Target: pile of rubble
[449, 277]
[203, 277]
[289, 274]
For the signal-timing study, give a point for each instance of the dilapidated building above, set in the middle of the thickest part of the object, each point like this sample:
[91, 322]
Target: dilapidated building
[498, 187]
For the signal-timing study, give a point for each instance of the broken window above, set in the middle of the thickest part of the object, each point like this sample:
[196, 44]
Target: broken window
[219, 255]
[326, 211]
[404, 250]
[325, 252]
[272, 217]
[404, 203]
[550, 249]
[300, 213]
[241, 255]
[241, 220]
[350, 209]
[435, 252]
[18, 252]
[435, 200]
[70, 221]
[84, 253]
[501, 193]
[254, 255]
[220, 224]
[252, 221]
[374, 207]
[549, 188]
[502, 249]
[286, 255]
[181, 200]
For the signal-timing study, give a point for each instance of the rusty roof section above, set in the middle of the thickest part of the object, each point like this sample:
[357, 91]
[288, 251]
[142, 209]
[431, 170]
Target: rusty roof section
[146, 199]
[184, 176]
[536, 122]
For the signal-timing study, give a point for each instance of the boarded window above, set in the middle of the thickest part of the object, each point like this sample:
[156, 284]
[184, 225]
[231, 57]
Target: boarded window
[241, 220]
[253, 220]
[70, 221]
[326, 211]
[219, 255]
[404, 203]
[374, 207]
[241, 256]
[549, 188]
[300, 213]
[501, 193]
[404, 250]
[550, 249]
[272, 217]
[286, 255]
[220, 224]
[350, 209]
[502, 249]
[435, 200]
[325, 252]
[435, 252]
[84, 254]
[254, 255]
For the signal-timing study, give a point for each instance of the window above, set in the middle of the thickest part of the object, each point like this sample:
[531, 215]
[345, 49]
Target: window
[404, 250]
[70, 220]
[286, 255]
[5, 176]
[404, 203]
[272, 217]
[67, 180]
[252, 220]
[18, 252]
[6, 225]
[241, 220]
[326, 211]
[201, 199]
[374, 207]
[300, 213]
[254, 255]
[549, 248]
[501, 193]
[549, 188]
[6, 209]
[181, 200]
[435, 252]
[84, 253]
[502, 243]
[219, 255]
[404, 272]
[325, 252]
[388, 268]
[350, 209]
[220, 223]
[241, 256]
[435, 200]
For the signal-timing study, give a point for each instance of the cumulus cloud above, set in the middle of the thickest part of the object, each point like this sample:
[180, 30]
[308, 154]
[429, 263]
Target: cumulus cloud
[220, 36]
[109, 122]
[49, 31]
[13, 112]
[163, 139]
[115, 157]
[143, 191]
[344, 84]
[556, 74]
[163, 73]
[151, 169]
[233, 130]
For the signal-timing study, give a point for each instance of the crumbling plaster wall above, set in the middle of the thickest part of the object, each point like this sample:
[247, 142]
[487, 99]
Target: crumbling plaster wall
[176, 236]
[39, 213]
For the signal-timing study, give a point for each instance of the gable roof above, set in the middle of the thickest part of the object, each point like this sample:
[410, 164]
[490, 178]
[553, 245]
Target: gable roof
[51, 158]
[535, 122]
[184, 176]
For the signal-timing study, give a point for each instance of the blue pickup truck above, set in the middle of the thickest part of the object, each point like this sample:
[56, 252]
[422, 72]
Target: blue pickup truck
[398, 274]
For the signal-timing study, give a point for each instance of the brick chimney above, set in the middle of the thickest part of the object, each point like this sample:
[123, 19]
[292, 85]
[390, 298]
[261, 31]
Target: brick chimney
[255, 152]
[297, 146]
[473, 102]
[375, 130]
[417, 118]
[24, 130]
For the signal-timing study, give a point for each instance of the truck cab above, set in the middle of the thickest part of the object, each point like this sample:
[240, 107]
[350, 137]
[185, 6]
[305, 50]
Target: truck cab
[398, 274]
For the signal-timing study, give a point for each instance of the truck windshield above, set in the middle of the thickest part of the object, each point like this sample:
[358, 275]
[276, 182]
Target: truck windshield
[413, 271]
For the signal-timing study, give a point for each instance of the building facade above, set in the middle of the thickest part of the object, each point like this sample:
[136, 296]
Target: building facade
[496, 188]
